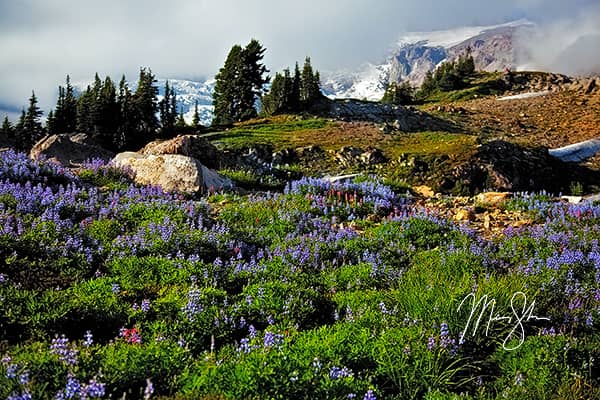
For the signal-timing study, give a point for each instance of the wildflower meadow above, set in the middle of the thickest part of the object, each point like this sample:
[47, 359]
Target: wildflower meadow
[322, 291]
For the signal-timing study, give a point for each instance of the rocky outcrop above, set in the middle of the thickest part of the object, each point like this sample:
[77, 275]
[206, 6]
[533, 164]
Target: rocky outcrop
[69, 149]
[352, 157]
[504, 166]
[399, 118]
[172, 172]
[187, 145]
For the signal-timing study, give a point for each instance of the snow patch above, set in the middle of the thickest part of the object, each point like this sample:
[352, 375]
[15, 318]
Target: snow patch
[524, 95]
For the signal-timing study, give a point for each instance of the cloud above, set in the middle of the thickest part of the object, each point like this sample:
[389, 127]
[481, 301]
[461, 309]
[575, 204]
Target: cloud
[42, 41]
[567, 44]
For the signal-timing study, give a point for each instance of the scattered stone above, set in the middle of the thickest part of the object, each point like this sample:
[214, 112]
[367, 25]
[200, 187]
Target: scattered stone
[493, 199]
[283, 157]
[424, 191]
[464, 215]
[350, 156]
[572, 199]
[69, 149]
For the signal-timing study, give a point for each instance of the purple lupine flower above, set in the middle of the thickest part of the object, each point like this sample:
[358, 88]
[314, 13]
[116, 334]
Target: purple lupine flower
[73, 387]
[272, 339]
[340, 373]
[88, 339]
[11, 371]
[149, 390]
[445, 339]
[252, 331]
[194, 305]
[145, 306]
[519, 379]
[116, 288]
[24, 378]
[369, 395]
[60, 347]
[589, 320]
[431, 343]
[316, 364]
[244, 346]
[21, 396]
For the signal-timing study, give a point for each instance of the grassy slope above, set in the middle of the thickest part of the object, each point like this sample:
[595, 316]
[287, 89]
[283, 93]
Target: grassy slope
[553, 120]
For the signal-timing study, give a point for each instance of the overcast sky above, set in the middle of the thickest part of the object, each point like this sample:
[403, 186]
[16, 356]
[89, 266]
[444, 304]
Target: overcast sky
[43, 40]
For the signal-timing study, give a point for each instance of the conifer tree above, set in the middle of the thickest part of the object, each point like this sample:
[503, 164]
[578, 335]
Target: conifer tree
[275, 101]
[51, 127]
[84, 111]
[107, 113]
[398, 94]
[225, 98]
[168, 110]
[65, 113]
[310, 88]
[146, 103]
[126, 116]
[7, 129]
[32, 130]
[239, 82]
[196, 116]
[69, 108]
[180, 121]
[296, 86]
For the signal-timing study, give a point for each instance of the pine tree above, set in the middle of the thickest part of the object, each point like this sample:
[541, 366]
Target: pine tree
[146, 103]
[168, 112]
[296, 86]
[252, 78]
[69, 108]
[51, 127]
[107, 113]
[398, 94]
[32, 125]
[55, 122]
[225, 100]
[465, 66]
[196, 117]
[239, 82]
[65, 114]
[7, 129]
[310, 87]
[275, 102]
[126, 117]
[180, 121]
[84, 111]
[95, 107]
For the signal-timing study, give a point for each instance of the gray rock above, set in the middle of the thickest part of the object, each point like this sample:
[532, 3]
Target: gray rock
[68, 149]
[172, 172]
[187, 145]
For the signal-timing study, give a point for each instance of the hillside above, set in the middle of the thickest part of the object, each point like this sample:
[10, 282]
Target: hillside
[442, 146]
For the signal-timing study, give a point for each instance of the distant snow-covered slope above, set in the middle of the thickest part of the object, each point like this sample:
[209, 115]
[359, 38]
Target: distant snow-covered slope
[416, 53]
[187, 93]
